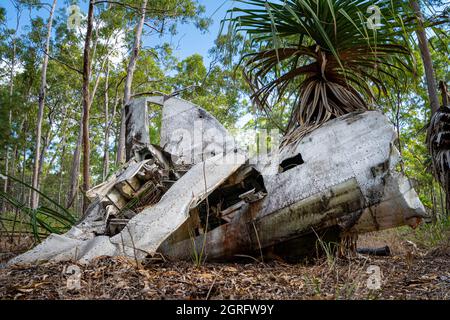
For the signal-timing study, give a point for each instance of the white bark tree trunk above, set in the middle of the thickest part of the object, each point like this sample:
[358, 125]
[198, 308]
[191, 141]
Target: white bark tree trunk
[106, 111]
[75, 171]
[11, 90]
[38, 157]
[87, 99]
[123, 149]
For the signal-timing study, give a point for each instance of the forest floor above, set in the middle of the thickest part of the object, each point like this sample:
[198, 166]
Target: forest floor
[414, 270]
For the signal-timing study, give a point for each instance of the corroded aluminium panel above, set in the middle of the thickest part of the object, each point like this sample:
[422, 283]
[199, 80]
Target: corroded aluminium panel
[359, 146]
[189, 132]
[251, 232]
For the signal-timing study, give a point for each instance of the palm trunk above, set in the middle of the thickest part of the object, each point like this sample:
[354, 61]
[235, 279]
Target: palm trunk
[37, 155]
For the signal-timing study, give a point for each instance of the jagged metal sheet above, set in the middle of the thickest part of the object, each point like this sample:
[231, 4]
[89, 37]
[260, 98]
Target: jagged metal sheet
[147, 230]
[190, 132]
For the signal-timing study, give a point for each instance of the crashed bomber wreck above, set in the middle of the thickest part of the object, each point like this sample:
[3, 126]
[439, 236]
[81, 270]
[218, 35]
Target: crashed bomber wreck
[337, 182]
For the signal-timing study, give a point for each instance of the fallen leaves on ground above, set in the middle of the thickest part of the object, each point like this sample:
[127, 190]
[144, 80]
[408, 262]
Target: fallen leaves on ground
[425, 277]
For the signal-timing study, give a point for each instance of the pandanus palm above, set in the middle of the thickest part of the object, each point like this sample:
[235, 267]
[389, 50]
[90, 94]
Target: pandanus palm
[326, 56]
[438, 139]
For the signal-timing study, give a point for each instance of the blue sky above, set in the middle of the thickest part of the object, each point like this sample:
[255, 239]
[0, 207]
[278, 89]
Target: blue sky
[188, 41]
[192, 40]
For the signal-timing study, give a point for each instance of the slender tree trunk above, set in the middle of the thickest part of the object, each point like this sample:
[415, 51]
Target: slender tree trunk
[438, 171]
[426, 58]
[11, 91]
[121, 144]
[42, 91]
[122, 150]
[106, 145]
[6, 181]
[14, 163]
[87, 99]
[116, 128]
[397, 127]
[24, 161]
[75, 171]
[61, 165]
[16, 150]
[43, 152]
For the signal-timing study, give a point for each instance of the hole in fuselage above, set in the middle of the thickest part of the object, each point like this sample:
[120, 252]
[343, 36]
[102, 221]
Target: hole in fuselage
[290, 163]
[226, 201]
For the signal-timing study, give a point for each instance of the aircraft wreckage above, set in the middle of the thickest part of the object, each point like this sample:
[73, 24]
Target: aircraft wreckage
[199, 192]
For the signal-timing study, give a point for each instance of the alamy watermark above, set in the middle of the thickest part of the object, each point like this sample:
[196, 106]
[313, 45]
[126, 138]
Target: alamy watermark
[73, 17]
[374, 21]
[202, 140]
[74, 277]
[374, 279]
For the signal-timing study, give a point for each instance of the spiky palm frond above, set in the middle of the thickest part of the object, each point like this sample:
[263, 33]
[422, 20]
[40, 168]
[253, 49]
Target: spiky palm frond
[46, 219]
[322, 54]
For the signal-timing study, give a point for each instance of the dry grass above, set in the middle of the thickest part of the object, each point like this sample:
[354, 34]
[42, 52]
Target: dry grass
[402, 240]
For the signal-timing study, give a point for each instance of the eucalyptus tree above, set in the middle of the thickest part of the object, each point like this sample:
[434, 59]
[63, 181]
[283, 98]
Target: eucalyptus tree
[130, 69]
[438, 130]
[42, 91]
[426, 56]
[11, 60]
[160, 17]
[101, 30]
[86, 100]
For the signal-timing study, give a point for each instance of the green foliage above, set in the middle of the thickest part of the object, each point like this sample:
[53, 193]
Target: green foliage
[434, 235]
[46, 219]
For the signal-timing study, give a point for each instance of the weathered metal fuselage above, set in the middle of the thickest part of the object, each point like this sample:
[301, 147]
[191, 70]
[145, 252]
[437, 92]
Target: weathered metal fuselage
[338, 181]
[346, 183]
